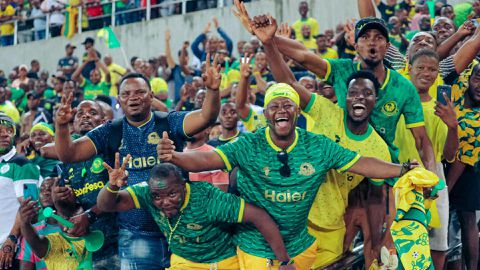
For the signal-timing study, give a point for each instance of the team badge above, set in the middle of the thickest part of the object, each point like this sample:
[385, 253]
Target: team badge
[390, 108]
[153, 138]
[306, 169]
[97, 165]
[193, 226]
[5, 168]
[266, 170]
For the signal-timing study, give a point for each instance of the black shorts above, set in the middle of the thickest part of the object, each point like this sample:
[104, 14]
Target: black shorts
[465, 195]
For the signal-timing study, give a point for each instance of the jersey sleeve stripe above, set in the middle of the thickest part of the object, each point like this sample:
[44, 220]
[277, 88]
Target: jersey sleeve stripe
[329, 70]
[349, 164]
[224, 158]
[241, 211]
[313, 97]
[414, 125]
[94, 146]
[183, 126]
[134, 197]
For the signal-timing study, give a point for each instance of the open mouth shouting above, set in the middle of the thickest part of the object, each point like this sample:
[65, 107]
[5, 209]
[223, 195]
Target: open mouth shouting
[358, 109]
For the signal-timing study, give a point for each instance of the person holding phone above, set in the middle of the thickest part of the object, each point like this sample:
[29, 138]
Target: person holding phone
[15, 171]
[441, 125]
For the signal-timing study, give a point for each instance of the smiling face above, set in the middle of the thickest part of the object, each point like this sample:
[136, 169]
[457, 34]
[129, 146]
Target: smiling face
[443, 29]
[309, 84]
[167, 194]
[40, 138]
[88, 117]
[423, 73]
[261, 61]
[281, 114]
[371, 47]
[361, 99]
[228, 116]
[135, 98]
[306, 31]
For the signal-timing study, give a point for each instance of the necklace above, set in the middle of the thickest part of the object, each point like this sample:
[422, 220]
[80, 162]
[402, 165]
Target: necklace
[172, 230]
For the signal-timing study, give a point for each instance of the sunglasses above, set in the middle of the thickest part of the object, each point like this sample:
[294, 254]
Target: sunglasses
[285, 169]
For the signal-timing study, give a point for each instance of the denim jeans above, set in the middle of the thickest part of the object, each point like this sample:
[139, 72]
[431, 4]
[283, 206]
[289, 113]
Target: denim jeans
[140, 252]
[39, 35]
[110, 263]
[6, 40]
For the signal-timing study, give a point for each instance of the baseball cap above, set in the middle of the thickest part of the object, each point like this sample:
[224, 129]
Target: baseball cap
[370, 23]
[88, 40]
[70, 45]
[34, 94]
[23, 66]
[59, 75]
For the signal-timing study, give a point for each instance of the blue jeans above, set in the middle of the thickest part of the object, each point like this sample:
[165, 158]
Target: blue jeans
[139, 252]
[6, 40]
[39, 35]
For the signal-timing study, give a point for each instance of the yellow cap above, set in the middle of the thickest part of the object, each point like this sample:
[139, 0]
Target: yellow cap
[44, 127]
[281, 90]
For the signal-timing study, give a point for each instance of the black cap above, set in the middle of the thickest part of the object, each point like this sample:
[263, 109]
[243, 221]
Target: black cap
[370, 23]
[89, 40]
[70, 45]
[34, 94]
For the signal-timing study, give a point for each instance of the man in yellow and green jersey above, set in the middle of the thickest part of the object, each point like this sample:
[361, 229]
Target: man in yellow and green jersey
[280, 169]
[305, 20]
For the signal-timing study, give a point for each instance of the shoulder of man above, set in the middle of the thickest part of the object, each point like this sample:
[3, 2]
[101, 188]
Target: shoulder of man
[19, 159]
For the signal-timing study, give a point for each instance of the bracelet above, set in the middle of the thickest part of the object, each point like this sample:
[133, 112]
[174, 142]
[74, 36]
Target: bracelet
[289, 262]
[107, 186]
[405, 168]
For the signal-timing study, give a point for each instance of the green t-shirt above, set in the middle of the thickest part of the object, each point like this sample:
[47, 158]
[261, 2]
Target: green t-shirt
[199, 236]
[287, 199]
[90, 90]
[46, 165]
[49, 93]
[396, 96]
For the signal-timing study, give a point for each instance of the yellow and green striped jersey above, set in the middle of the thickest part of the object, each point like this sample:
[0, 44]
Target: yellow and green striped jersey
[286, 199]
[199, 236]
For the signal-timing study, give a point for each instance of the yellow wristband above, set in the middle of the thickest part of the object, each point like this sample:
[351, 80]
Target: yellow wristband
[107, 186]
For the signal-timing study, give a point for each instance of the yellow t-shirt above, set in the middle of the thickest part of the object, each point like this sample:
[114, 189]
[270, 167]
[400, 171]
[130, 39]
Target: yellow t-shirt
[329, 206]
[255, 121]
[433, 89]
[9, 109]
[159, 85]
[436, 130]
[330, 54]
[314, 29]
[116, 73]
[7, 29]
[60, 255]
[310, 43]
[229, 78]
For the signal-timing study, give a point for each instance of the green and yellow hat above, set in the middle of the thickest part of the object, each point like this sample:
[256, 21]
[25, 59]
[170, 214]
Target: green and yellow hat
[7, 121]
[44, 127]
[281, 90]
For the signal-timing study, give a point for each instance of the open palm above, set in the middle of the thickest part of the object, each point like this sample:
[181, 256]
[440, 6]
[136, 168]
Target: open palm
[264, 27]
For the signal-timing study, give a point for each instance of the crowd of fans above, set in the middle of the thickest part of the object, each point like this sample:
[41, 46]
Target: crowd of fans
[210, 158]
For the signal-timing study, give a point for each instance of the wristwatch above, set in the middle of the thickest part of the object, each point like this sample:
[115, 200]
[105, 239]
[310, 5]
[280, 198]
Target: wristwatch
[12, 238]
[92, 217]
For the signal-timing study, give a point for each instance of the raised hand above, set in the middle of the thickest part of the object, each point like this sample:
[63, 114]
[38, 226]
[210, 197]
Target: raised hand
[242, 14]
[467, 28]
[168, 36]
[65, 112]
[245, 68]
[284, 30]
[350, 32]
[165, 148]
[207, 28]
[212, 77]
[117, 176]
[446, 112]
[264, 27]
[28, 211]
[215, 22]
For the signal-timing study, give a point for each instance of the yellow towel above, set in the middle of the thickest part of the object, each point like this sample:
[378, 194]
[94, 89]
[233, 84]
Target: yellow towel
[409, 229]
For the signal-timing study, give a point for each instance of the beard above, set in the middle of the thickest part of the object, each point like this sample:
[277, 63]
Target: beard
[371, 63]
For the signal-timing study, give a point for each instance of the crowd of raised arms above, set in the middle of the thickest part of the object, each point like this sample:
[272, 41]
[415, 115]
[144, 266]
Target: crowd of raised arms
[305, 144]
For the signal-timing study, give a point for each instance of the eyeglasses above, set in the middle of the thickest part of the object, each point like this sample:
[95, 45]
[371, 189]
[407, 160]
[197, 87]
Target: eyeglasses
[285, 169]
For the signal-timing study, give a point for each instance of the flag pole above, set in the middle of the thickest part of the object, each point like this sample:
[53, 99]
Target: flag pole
[125, 58]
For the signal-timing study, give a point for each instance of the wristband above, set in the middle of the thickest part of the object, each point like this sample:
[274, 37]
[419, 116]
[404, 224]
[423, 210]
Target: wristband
[405, 168]
[13, 238]
[92, 217]
[289, 262]
[107, 186]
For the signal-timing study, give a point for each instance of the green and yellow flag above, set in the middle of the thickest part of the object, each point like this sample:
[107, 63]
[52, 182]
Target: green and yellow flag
[109, 37]
[69, 27]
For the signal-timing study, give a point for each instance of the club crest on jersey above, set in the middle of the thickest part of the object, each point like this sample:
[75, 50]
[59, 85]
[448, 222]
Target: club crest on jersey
[390, 108]
[306, 169]
[153, 138]
[266, 170]
[97, 165]
[5, 168]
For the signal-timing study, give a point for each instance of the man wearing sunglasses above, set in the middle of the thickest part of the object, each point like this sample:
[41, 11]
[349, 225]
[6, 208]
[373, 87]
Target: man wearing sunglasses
[280, 170]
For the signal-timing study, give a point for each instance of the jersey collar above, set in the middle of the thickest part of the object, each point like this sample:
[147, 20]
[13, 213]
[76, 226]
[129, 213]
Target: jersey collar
[387, 76]
[187, 197]
[149, 119]
[220, 138]
[276, 148]
[8, 155]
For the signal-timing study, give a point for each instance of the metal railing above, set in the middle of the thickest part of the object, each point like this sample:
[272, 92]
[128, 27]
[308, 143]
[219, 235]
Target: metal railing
[129, 15]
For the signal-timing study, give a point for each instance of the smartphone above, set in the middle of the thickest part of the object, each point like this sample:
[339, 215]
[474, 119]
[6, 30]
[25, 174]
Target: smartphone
[447, 89]
[30, 191]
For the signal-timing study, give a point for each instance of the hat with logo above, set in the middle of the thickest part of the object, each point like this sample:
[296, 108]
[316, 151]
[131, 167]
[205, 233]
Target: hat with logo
[368, 23]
